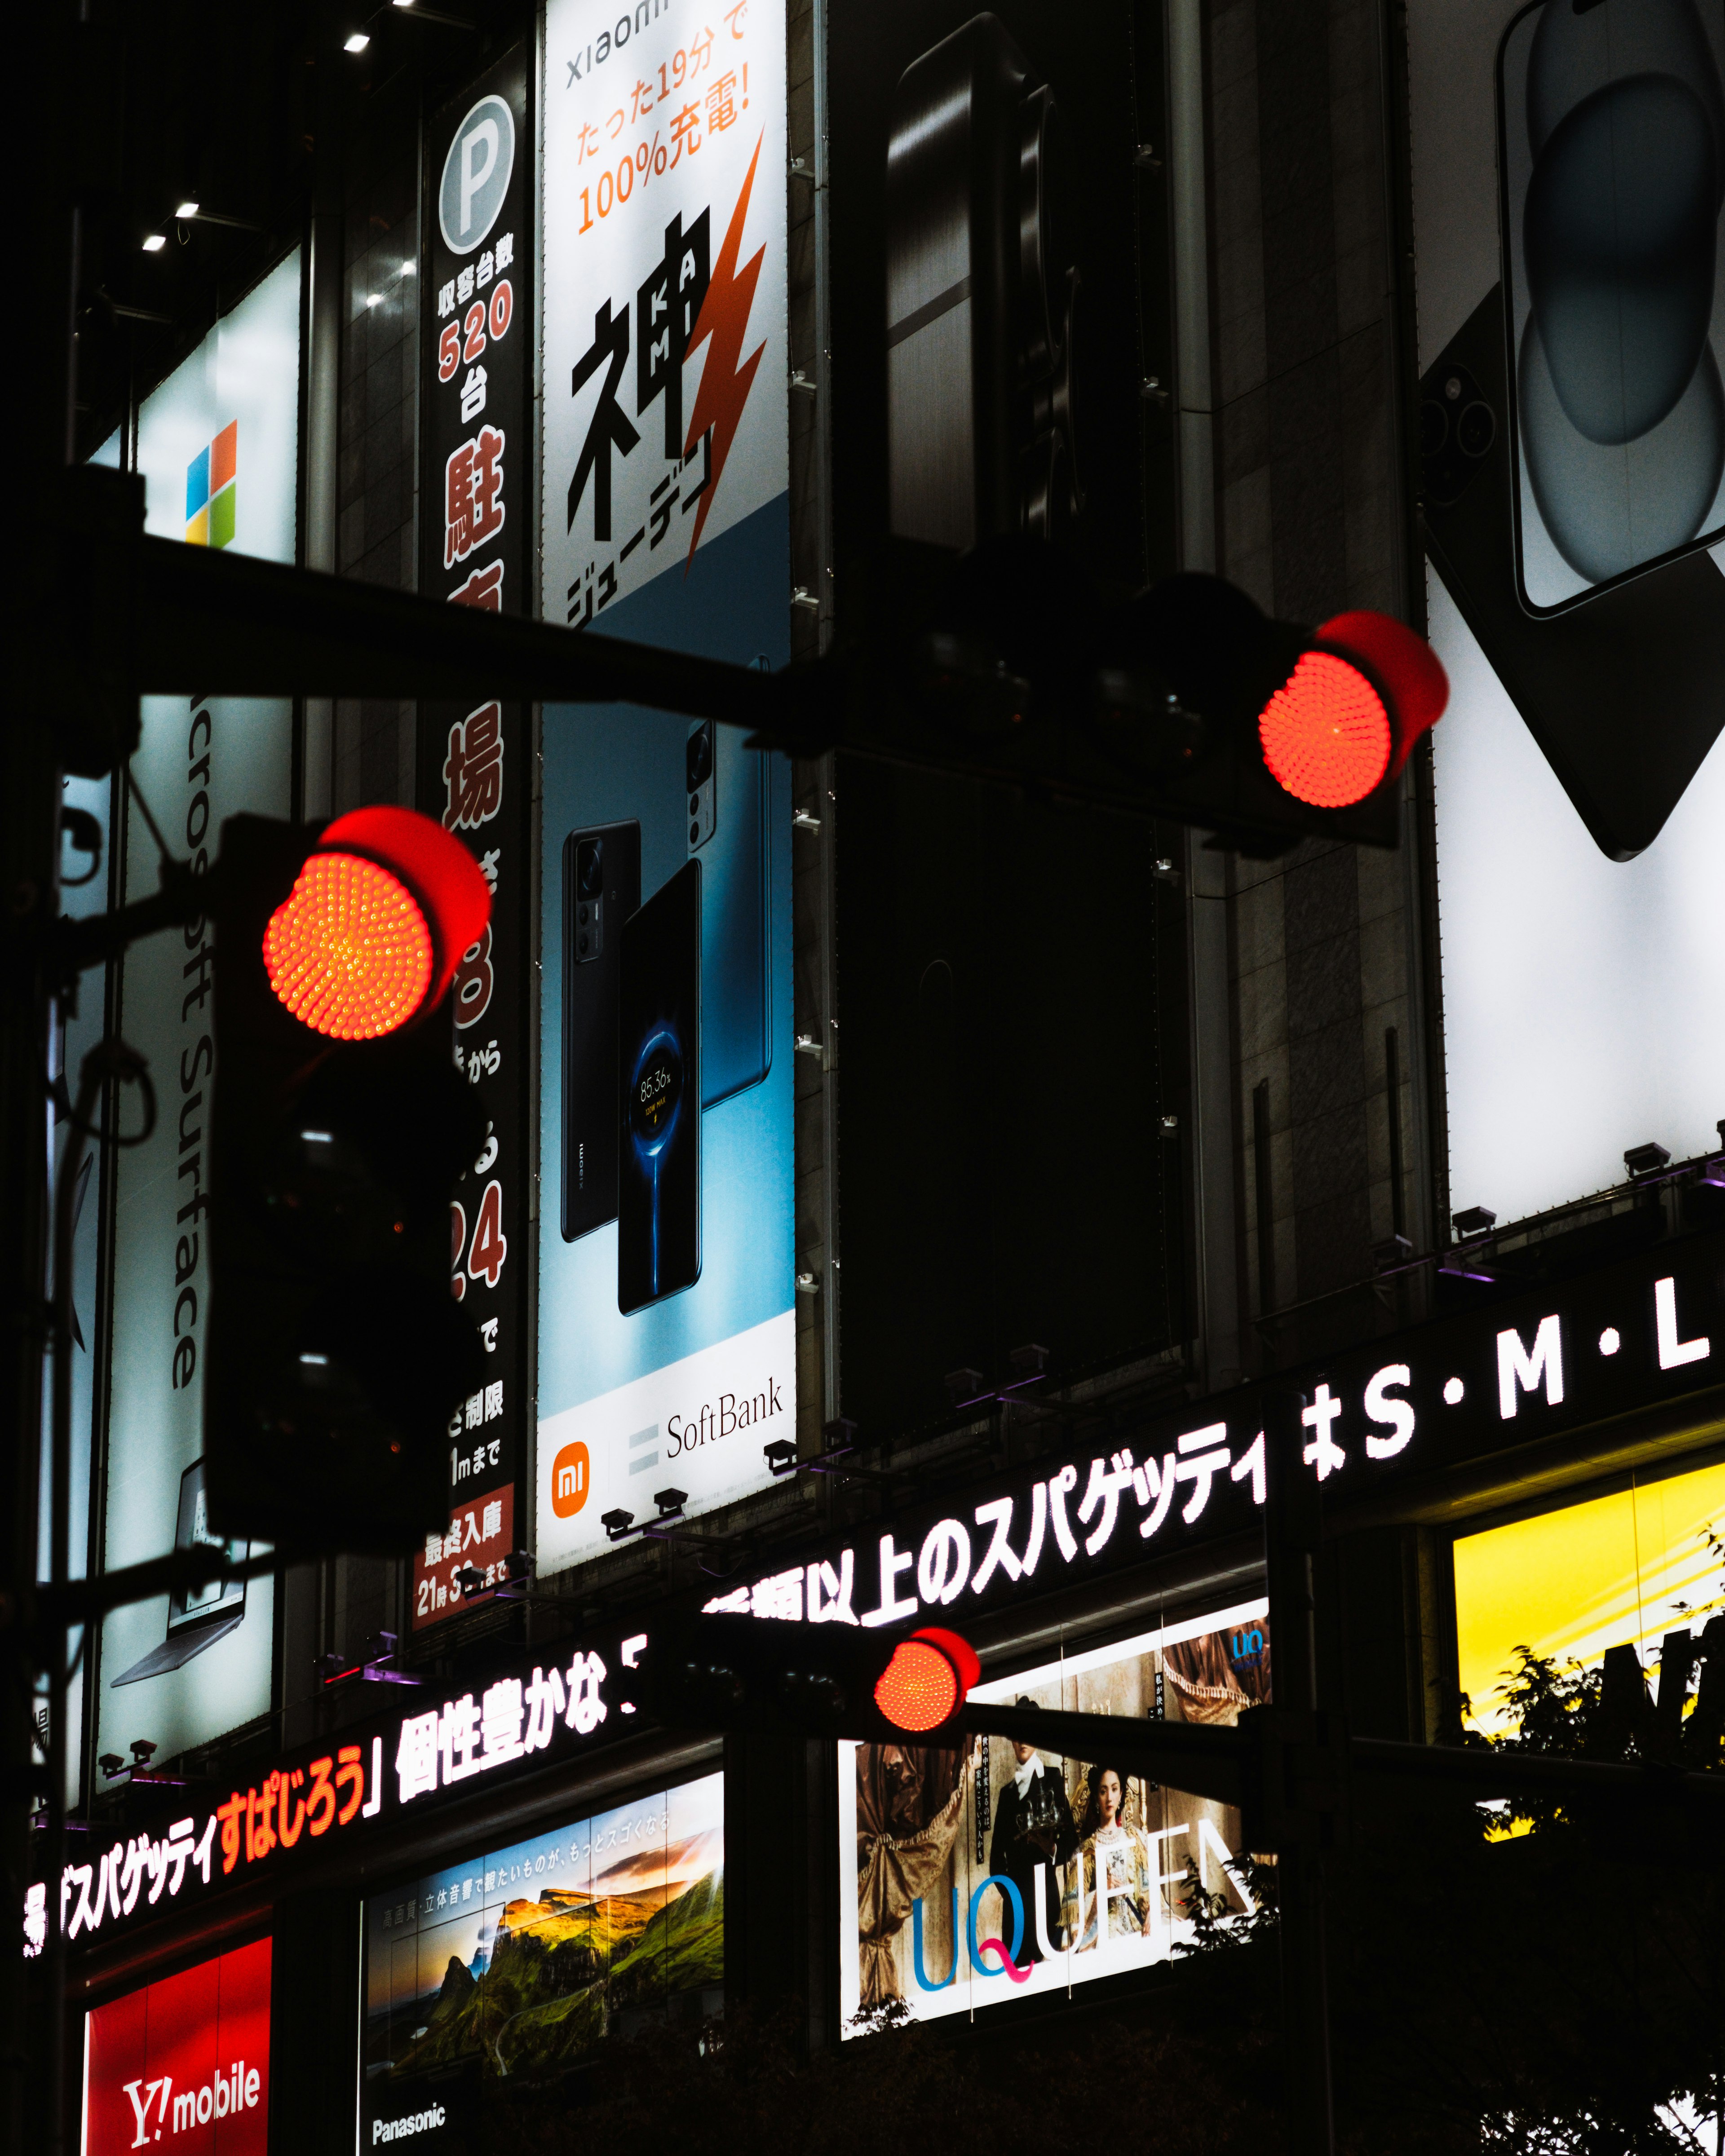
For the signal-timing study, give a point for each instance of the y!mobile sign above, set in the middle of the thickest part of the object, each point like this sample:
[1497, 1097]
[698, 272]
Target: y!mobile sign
[183, 2064]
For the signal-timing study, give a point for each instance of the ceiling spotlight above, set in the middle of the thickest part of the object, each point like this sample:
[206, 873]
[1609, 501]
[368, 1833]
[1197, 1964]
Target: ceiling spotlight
[186, 209]
[357, 43]
[410, 269]
[154, 243]
[374, 299]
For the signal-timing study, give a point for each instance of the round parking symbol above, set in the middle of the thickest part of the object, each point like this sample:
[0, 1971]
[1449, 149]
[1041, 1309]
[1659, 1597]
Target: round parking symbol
[476, 175]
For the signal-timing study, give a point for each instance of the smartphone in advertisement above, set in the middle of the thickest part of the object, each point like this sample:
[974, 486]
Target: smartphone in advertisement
[729, 835]
[602, 888]
[1611, 141]
[657, 1080]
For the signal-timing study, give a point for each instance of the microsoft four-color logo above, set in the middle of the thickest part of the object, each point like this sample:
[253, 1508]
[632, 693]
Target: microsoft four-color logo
[210, 490]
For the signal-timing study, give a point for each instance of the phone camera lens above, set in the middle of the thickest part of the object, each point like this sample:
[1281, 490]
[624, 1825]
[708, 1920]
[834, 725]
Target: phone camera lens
[581, 945]
[1433, 427]
[581, 915]
[590, 867]
[1476, 429]
[694, 804]
[695, 835]
[700, 757]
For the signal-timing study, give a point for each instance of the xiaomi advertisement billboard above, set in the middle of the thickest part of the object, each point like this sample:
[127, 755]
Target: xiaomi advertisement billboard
[666, 1326]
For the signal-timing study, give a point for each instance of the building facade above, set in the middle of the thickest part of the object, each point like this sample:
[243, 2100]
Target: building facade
[1035, 1171]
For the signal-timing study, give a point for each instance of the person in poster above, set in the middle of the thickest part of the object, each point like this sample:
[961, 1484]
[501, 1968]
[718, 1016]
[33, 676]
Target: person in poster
[1114, 1858]
[1033, 1826]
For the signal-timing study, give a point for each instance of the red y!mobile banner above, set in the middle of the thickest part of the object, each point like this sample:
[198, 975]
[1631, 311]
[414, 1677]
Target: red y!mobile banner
[183, 2064]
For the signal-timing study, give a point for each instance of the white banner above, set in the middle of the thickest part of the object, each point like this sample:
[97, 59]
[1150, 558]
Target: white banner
[697, 1425]
[664, 414]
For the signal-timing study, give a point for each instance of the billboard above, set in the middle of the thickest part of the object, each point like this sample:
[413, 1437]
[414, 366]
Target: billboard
[1000, 1871]
[666, 1326]
[183, 2064]
[1573, 429]
[517, 1963]
[219, 448]
[475, 759]
[1626, 1569]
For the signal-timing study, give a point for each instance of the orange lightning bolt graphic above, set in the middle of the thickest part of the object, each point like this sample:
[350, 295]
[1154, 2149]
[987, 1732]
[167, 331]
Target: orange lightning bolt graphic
[723, 319]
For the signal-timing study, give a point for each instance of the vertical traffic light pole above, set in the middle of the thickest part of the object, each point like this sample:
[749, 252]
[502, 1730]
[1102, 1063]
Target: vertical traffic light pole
[1292, 1541]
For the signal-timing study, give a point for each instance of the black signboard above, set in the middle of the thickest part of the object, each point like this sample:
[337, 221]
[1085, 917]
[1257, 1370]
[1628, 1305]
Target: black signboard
[475, 759]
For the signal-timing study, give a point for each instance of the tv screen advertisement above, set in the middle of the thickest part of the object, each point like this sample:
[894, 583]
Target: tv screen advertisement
[519, 1963]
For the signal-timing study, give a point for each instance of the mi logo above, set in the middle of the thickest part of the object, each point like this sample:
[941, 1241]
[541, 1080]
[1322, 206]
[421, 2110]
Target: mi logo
[571, 1478]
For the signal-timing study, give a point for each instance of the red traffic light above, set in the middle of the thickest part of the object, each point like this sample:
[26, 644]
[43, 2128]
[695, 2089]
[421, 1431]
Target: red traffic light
[377, 917]
[1348, 715]
[926, 1682]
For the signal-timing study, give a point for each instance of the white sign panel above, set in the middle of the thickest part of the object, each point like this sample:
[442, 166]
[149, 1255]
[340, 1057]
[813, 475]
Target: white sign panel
[219, 448]
[664, 288]
[1584, 998]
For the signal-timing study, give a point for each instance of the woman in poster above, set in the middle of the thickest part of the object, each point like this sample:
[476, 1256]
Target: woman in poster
[1114, 1859]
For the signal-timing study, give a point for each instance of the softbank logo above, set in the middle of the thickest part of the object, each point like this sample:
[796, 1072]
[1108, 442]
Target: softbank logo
[234, 2089]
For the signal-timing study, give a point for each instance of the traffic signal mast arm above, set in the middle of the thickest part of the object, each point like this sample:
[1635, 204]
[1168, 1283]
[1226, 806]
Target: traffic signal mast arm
[1231, 1766]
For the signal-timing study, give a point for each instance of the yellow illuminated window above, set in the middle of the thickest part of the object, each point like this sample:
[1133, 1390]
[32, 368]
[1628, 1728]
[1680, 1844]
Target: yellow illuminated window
[1572, 1583]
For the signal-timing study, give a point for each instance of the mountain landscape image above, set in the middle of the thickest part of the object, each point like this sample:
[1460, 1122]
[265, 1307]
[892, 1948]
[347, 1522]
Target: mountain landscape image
[561, 1970]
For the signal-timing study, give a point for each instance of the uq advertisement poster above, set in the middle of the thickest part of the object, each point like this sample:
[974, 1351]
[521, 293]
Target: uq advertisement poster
[218, 445]
[999, 1872]
[666, 1321]
[519, 1963]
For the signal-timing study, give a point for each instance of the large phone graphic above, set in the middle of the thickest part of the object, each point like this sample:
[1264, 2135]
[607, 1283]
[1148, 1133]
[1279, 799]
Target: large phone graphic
[602, 888]
[659, 1075]
[1611, 158]
[728, 834]
[982, 295]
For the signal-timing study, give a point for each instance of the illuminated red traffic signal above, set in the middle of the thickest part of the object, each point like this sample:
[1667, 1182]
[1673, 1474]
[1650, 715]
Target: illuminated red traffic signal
[926, 1679]
[1273, 730]
[377, 918]
[334, 1354]
[725, 1672]
[1349, 715]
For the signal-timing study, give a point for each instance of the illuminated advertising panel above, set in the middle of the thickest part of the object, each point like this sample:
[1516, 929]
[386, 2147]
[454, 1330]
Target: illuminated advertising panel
[1576, 597]
[998, 1871]
[1627, 1569]
[667, 1329]
[475, 759]
[183, 2064]
[518, 1963]
[219, 448]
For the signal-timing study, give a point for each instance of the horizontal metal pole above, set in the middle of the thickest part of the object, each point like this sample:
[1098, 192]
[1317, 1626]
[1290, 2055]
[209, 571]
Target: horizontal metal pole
[1495, 1773]
[229, 625]
[81, 1599]
[1203, 1761]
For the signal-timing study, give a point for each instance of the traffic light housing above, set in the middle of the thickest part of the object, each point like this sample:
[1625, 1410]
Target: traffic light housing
[339, 1125]
[832, 1680]
[1186, 702]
